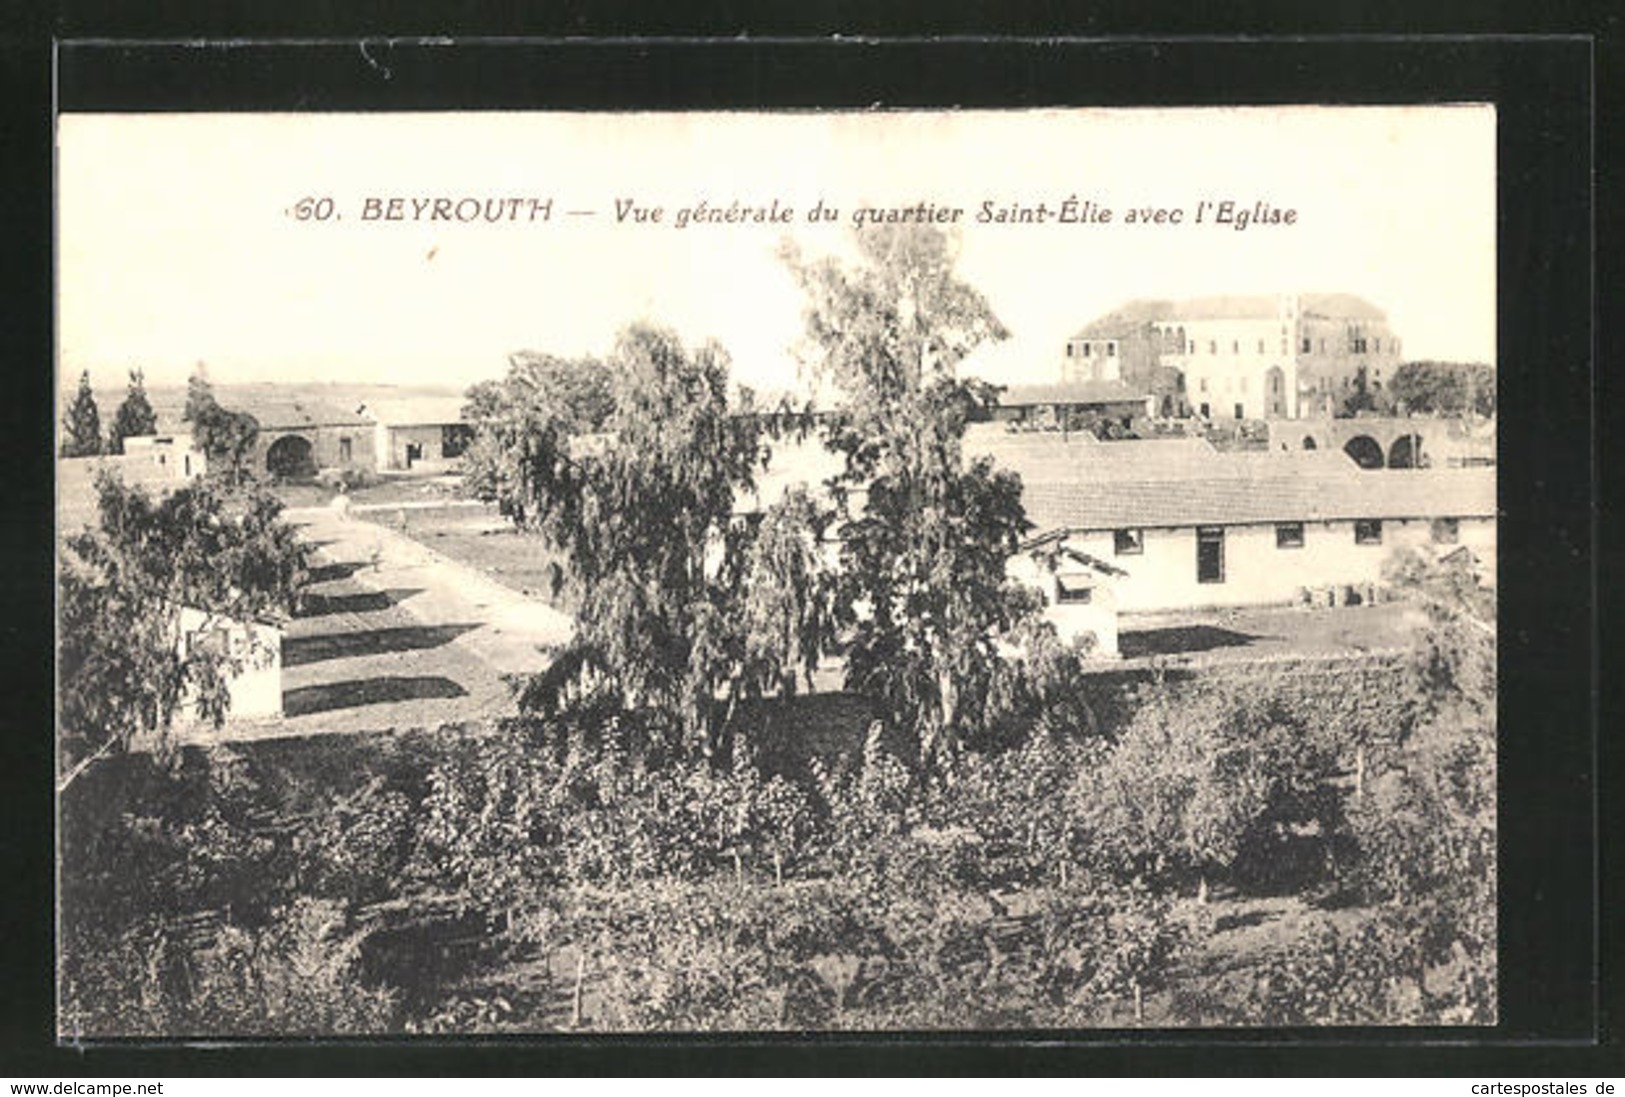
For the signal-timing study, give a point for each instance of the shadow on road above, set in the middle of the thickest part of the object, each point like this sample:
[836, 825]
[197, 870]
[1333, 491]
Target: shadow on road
[367, 691]
[1181, 640]
[327, 573]
[369, 601]
[298, 651]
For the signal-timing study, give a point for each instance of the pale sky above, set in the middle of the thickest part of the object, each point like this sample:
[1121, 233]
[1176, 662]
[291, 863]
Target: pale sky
[176, 245]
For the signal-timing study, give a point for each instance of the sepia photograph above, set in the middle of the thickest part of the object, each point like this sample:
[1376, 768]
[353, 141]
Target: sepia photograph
[952, 570]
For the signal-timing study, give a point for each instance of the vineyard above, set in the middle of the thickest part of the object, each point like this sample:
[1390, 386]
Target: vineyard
[526, 878]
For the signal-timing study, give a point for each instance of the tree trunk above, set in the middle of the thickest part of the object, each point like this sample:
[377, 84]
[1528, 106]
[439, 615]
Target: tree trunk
[1201, 890]
[575, 998]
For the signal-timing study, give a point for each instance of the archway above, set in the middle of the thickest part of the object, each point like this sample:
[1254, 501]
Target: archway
[290, 458]
[1309, 442]
[1365, 450]
[1406, 452]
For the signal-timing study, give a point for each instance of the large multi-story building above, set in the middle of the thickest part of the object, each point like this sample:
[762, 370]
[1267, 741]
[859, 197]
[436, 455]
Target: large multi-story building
[1259, 357]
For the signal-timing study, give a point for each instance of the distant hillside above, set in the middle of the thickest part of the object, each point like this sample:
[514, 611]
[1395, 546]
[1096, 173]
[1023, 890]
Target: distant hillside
[169, 401]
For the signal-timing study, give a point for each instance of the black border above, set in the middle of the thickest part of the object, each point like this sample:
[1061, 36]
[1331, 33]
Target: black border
[1543, 90]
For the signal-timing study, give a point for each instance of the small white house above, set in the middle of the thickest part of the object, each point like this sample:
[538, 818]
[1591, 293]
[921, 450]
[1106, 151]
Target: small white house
[1080, 598]
[255, 651]
[160, 457]
[421, 434]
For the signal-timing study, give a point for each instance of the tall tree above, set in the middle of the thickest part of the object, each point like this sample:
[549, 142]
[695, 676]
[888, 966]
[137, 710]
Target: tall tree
[123, 668]
[1445, 388]
[540, 394]
[643, 514]
[225, 437]
[134, 417]
[83, 423]
[923, 563]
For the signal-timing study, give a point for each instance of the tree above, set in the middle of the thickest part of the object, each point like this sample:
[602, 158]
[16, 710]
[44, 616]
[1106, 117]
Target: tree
[541, 393]
[643, 515]
[789, 619]
[123, 669]
[226, 437]
[135, 416]
[923, 577]
[1363, 398]
[83, 423]
[1445, 388]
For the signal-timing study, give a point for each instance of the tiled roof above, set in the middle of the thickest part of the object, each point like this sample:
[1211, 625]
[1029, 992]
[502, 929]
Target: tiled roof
[272, 411]
[414, 411]
[1131, 315]
[1227, 498]
[1070, 392]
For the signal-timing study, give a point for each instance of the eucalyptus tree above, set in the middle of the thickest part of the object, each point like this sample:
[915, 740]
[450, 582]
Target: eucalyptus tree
[924, 586]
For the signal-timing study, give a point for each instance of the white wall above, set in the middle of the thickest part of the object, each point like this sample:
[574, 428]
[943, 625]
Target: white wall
[1256, 572]
[256, 690]
[1096, 619]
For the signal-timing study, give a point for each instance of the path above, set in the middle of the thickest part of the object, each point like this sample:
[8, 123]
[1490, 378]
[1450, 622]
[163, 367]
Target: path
[396, 635]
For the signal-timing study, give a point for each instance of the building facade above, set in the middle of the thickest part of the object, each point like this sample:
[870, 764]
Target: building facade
[422, 434]
[1243, 357]
[1260, 529]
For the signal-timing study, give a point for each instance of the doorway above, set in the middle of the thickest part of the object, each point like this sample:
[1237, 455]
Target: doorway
[1210, 554]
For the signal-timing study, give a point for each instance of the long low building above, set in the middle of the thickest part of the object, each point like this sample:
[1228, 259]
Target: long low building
[1257, 529]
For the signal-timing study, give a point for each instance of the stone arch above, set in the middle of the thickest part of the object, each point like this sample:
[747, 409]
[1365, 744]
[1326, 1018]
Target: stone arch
[1366, 451]
[1406, 452]
[1309, 442]
[290, 457]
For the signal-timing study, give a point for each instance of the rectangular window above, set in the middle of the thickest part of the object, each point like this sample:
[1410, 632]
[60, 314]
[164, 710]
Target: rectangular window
[1128, 542]
[1111, 350]
[1235, 346]
[1368, 531]
[1202, 384]
[1076, 590]
[1289, 535]
[1205, 412]
[1210, 554]
[1239, 414]
[1261, 346]
[1087, 347]
[1446, 531]
[344, 450]
[1213, 346]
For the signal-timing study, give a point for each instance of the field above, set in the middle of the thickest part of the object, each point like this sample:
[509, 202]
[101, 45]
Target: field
[511, 877]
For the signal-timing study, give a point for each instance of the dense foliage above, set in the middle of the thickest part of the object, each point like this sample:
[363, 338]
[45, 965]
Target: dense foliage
[226, 437]
[1444, 388]
[124, 667]
[82, 425]
[134, 417]
[924, 595]
[540, 876]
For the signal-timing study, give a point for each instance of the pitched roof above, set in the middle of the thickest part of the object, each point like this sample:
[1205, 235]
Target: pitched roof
[1287, 495]
[1081, 457]
[1070, 392]
[414, 411]
[1133, 314]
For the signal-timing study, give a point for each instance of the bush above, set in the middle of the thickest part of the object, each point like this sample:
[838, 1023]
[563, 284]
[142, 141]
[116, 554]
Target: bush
[1190, 793]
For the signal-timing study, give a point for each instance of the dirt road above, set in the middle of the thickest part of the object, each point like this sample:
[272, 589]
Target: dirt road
[395, 635]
